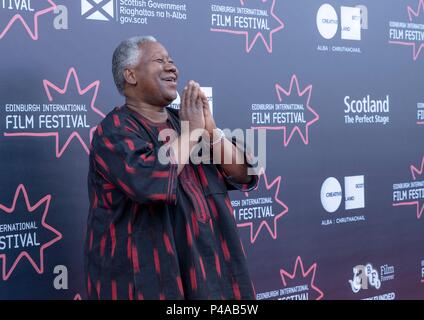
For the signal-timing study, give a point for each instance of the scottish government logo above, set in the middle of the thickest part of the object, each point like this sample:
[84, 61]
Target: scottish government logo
[134, 12]
[98, 9]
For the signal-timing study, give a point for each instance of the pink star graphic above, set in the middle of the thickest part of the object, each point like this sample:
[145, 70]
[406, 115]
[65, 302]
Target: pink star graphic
[77, 297]
[306, 92]
[411, 15]
[272, 230]
[258, 35]
[18, 17]
[39, 267]
[48, 86]
[415, 172]
[303, 274]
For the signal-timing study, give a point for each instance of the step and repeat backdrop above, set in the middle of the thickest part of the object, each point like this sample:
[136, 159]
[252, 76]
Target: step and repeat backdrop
[337, 85]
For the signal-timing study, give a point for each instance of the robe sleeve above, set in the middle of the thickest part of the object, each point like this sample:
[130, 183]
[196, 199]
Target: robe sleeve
[229, 181]
[123, 157]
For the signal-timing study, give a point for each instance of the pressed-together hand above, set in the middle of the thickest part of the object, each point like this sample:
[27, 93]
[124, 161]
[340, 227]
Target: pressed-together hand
[209, 120]
[195, 110]
[192, 109]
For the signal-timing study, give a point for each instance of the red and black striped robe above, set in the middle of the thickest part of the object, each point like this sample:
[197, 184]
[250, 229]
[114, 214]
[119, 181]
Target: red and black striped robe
[152, 234]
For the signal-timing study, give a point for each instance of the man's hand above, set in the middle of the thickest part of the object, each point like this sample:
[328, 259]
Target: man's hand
[237, 170]
[209, 121]
[192, 109]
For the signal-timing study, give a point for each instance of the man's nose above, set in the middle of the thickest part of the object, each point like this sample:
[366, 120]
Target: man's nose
[170, 66]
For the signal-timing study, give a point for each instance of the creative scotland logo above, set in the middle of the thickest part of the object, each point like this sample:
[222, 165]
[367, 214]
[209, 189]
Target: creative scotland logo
[351, 22]
[352, 196]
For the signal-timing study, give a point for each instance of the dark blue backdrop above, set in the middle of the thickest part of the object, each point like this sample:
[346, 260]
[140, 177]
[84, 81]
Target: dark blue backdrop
[318, 77]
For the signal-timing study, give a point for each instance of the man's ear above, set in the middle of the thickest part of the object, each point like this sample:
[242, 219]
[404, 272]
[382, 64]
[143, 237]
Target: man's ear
[130, 76]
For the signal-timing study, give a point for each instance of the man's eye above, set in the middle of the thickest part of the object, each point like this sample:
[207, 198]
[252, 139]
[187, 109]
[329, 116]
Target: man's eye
[160, 60]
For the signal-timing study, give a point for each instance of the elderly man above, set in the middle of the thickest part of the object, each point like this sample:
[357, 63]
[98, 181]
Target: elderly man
[161, 229]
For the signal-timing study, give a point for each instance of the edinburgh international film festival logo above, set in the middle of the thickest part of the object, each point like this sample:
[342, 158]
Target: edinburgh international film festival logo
[260, 209]
[24, 231]
[409, 31]
[26, 16]
[254, 20]
[135, 12]
[292, 113]
[411, 193]
[67, 114]
[297, 283]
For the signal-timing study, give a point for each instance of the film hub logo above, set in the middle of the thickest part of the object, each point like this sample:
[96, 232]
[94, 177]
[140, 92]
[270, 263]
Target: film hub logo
[409, 32]
[411, 193]
[351, 22]
[133, 11]
[256, 20]
[366, 110]
[27, 13]
[366, 277]
[332, 198]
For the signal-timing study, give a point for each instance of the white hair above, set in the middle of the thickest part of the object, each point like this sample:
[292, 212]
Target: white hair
[127, 55]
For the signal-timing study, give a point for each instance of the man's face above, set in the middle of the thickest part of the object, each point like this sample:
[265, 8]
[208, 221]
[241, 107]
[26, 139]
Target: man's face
[156, 75]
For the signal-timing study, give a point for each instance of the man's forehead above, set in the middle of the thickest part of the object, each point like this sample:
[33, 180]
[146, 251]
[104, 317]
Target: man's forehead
[151, 48]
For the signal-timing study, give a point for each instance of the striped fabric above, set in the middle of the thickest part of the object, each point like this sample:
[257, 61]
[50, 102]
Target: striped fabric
[152, 234]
